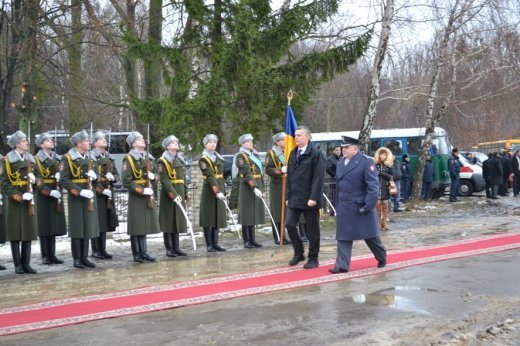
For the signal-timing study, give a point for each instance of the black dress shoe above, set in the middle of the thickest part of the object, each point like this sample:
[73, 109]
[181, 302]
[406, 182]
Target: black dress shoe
[311, 264]
[296, 259]
[179, 252]
[337, 270]
[381, 264]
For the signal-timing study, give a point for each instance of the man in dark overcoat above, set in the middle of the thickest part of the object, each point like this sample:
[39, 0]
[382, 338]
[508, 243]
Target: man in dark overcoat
[357, 186]
[304, 190]
[493, 174]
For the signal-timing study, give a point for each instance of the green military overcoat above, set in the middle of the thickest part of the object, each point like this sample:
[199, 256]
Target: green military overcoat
[273, 168]
[19, 225]
[50, 215]
[251, 209]
[172, 176]
[83, 223]
[212, 210]
[142, 220]
[104, 163]
[2, 226]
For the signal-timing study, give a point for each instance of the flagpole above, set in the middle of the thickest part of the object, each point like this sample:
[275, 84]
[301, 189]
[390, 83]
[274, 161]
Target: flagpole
[284, 181]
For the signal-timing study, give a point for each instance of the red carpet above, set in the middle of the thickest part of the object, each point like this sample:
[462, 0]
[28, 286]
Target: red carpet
[69, 311]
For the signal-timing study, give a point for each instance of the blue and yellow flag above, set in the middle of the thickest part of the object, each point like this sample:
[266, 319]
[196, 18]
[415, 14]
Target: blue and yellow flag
[290, 129]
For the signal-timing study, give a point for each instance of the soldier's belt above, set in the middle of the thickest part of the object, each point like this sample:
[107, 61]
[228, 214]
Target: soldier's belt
[49, 181]
[103, 179]
[81, 180]
[139, 181]
[177, 181]
[19, 183]
[218, 176]
[255, 176]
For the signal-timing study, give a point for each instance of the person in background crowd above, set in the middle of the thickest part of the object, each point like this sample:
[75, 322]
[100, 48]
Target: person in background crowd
[251, 210]
[305, 175]
[137, 168]
[505, 161]
[384, 161]
[105, 166]
[493, 174]
[471, 159]
[332, 161]
[396, 174]
[171, 168]
[212, 214]
[77, 176]
[50, 217]
[274, 161]
[515, 170]
[454, 166]
[358, 192]
[427, 179]
[20, 220]
[406, 178]
[2, 227]
[485, 175]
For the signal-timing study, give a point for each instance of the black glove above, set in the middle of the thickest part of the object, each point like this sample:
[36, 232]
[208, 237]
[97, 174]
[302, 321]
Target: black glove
[363, 210]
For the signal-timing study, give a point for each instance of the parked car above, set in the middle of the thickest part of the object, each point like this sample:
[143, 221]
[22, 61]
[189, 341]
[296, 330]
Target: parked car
[471, 178]
[480, 157]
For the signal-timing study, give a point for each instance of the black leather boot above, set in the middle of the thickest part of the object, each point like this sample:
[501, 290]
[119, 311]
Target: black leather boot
[2, 267]
[143, 247]
[303, 232]
[245, 235]
[75, 246]
[103, 245]
[26, 258]
[134, 244]
[252, 237]
[44, 247]
[17, 261]
[168, 245]
[84, 254]
[95, 248]
[207, 238]
[176, 244]
[214, 239]
[52, 250]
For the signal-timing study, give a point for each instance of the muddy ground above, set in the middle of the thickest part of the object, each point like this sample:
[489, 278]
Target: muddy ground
[469, 301]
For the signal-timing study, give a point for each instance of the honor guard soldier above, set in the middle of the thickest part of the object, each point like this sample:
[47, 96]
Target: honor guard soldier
[105, 167]
[212, 211]
[171, 168]
[20, 221]
[137, 177]
[274, 160]
[251, 210]
[76, 176]
[50, 216]
[2, 227]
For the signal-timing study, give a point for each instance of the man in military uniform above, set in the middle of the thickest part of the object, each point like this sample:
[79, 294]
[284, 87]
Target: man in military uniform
[2, 227]
[20, 220]
[76, 176]
[137, 177]
[251, 210]
[357, 195]
[105, 167]
[212, 215]
[274, 161]
[454, 166]
[50, 216]
[171, 168]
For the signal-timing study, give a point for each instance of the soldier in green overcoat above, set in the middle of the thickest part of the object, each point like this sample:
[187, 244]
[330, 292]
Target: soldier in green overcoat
[274, 161]
[105, 167]
[50, 216]
[171, 168]
[251, 210]
[2, 227]
[137, 177]
[20, 221]
[212, 198]
[77, 177]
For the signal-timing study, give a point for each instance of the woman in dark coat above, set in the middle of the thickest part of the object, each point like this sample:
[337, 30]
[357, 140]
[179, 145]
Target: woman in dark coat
[384, 161]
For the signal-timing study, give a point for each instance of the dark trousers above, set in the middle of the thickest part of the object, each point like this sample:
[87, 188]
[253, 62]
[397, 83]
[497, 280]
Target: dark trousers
[454, 188]
[426, 190]
[516, 184]
[313, 229]
[345, 251]
[406, 185]
[488, 189]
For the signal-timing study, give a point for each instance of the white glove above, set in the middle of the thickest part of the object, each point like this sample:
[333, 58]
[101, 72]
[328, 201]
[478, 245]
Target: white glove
[151, 176]
[284, 169]
[27, 196]
[110, 176]
[1, 196]
[107, 193]
[56, 194]
[258, 193]
[147, 191]
[32, 178]
[92, 175]
[178, 200]
[86, 194]
[221, 196]
[57, 176]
